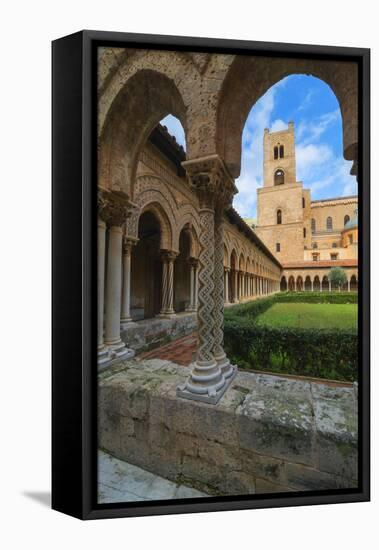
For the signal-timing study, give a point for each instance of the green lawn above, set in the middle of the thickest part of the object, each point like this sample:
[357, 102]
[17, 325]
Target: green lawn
[340, 316]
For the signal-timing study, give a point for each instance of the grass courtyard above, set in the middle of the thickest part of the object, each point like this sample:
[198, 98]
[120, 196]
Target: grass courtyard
[310, 316]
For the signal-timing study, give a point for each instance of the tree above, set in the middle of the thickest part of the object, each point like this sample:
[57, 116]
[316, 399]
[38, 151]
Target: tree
[337, 277]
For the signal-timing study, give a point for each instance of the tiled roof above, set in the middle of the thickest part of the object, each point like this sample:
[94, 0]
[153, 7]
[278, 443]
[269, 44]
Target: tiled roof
[321, 263]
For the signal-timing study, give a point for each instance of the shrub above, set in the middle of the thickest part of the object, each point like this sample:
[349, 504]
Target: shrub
[318, 297]
[320, 353]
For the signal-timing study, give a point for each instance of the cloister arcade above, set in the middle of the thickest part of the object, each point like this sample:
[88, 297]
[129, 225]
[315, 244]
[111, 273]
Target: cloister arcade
[163, 228]
[316, 281]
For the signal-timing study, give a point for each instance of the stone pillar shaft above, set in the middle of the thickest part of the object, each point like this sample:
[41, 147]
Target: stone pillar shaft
[125, 299]
[101, 231]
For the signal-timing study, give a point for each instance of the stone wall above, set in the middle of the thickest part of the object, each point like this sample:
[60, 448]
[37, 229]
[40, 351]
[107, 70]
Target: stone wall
[267, 434]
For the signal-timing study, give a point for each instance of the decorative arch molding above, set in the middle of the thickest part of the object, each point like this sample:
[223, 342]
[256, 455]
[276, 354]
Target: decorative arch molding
[156, 203]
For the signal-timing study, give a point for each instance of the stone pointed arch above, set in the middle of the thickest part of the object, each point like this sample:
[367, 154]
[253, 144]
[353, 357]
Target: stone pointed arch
[249, 78]
[143, 100]
[165, 224]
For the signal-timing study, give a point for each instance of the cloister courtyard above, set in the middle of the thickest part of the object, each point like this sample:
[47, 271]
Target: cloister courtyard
[227, 346]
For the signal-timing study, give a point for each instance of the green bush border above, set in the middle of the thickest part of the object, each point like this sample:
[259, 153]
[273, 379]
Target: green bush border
[320, 353]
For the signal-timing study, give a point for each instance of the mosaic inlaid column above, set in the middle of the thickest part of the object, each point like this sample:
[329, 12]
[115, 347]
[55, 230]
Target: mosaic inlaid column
[207, 177]
[168, 258]
[219, 354]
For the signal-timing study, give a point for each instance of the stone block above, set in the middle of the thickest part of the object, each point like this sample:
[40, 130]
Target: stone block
[278, 424]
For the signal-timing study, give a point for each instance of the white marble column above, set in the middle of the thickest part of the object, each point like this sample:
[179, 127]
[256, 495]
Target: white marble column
[125, 299]
[330, 286]
[348, 285]
[312, 285]
[226, 285]
[113, 293]
[102, 351]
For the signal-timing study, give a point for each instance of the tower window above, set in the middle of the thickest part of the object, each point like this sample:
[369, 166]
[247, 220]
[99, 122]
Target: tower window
[315, 256]
[313, 225]
[329, 223]
[279, 177]
[303, 202]
[314, 245]
[350, 238]
[281, 151]
[304, 232]
[346, 219]
[278, 247]
[275, 152]
[334, 245]
[334, 256]
[279, 217]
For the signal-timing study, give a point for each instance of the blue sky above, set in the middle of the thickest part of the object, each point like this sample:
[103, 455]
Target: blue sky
[320, 165]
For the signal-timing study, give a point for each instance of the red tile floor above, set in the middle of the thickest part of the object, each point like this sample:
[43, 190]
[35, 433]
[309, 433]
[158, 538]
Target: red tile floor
[180, 351]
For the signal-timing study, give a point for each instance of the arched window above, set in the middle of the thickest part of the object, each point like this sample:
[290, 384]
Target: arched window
[314, 245]
[313, 225]
[346, 219]
[304, 232]
[279, 177]
[303, 202]
[281, 151]
[279, 217]
[329, 223]
[275, 152]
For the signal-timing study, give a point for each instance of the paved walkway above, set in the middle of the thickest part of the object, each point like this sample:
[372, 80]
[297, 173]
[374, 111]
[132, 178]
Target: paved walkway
[119, 481]
[179, 351]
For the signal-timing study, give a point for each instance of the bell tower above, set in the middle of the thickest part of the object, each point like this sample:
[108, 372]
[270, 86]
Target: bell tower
[283, 205]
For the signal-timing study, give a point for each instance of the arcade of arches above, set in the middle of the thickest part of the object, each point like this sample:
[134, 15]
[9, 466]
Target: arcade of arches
[170, 245]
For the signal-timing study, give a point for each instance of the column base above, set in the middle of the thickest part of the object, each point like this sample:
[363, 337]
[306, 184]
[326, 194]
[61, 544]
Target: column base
[166, 314]
[103, 355]
[226, 367]
[206, 383]
[118, 350]
[128, 321]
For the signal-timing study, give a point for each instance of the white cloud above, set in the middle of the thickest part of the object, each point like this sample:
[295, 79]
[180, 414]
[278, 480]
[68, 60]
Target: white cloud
[311, 130]
[310, 158]
[175, 128]
[278, 125]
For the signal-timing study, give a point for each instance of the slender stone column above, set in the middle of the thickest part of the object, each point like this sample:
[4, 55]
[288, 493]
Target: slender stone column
[114, 208]
[330, 286]
[168, 258]
[226, 288]
[125, 299]
[235, 286]
[193, 268]
[348, 285]
[312, 285]
[102, 351]
[215, 188]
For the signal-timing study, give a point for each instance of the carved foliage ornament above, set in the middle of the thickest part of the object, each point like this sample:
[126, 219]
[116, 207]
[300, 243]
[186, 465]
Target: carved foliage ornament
[114, 207]
[211, 181]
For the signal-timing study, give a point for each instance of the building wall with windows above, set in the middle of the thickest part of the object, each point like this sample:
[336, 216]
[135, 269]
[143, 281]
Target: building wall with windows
[293, 226]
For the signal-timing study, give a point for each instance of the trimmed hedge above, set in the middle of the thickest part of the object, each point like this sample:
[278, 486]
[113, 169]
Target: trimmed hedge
[320, 353]
[318, 297]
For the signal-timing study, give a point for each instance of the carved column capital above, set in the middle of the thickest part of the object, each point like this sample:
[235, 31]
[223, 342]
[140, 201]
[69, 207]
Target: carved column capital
[211, 181]
[114, 207]
[128, 243]
[169, 255]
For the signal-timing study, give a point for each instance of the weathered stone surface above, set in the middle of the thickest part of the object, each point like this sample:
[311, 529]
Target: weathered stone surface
[153, 333]
[267, 434]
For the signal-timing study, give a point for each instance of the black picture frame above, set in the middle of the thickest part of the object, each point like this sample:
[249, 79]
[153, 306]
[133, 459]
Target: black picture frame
[74, 275]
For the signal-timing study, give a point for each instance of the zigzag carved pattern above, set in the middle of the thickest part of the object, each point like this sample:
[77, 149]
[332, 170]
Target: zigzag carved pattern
[219, 287]
[206, 287]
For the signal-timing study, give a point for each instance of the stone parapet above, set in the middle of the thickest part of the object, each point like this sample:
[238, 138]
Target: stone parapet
[267, 434]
